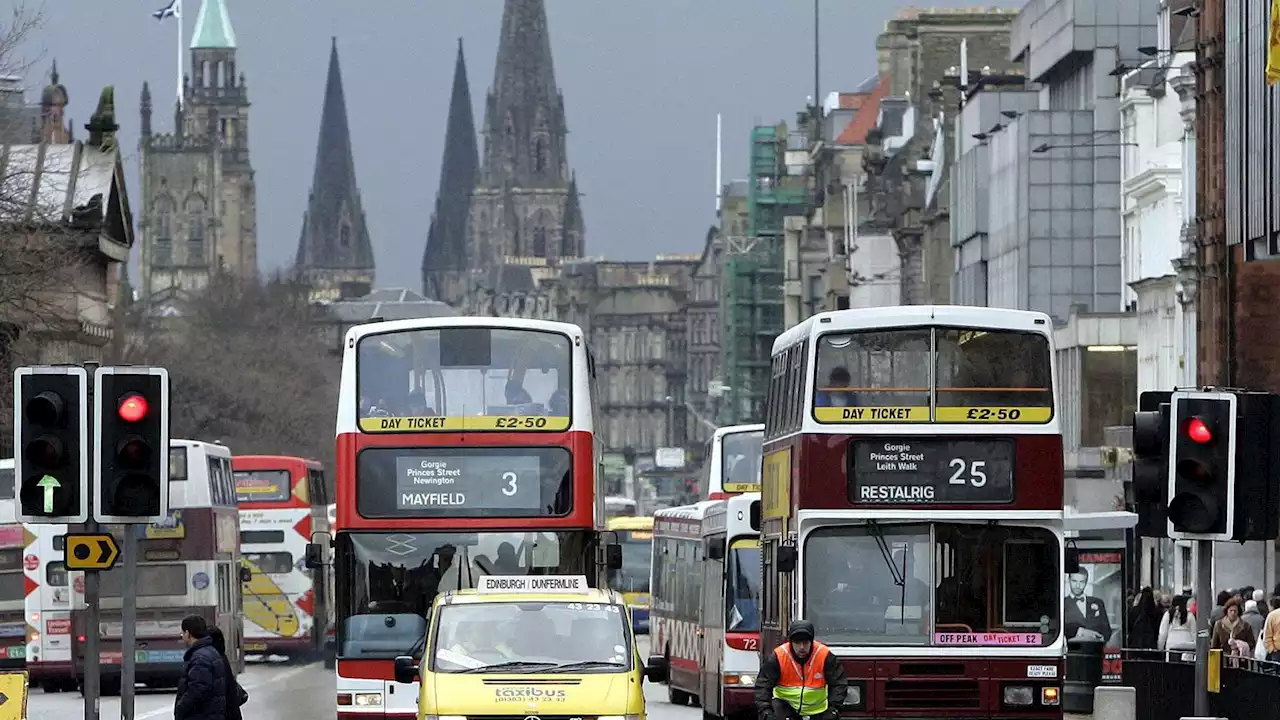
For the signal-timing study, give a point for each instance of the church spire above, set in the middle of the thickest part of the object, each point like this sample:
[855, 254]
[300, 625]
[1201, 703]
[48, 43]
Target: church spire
[334, 246]
[447, 237]
[524, 116]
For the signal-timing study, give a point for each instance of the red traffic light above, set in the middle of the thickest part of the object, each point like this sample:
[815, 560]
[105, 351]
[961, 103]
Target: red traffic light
[133, 407]
[1198, 430]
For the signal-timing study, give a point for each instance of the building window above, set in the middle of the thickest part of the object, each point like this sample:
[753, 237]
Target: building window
[540, 241]
[540, 155]
[1109, 379]
[344, 235]
[164, 231]
[195, 231]
[567, 248]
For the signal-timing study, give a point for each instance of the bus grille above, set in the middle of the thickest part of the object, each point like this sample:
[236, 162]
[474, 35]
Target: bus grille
[931, 694]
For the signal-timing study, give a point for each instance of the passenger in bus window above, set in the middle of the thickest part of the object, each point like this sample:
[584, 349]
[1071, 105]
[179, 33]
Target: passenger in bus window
[516, 394]
[839, 378]
[507, 562]
[558, 405]
[418, 406]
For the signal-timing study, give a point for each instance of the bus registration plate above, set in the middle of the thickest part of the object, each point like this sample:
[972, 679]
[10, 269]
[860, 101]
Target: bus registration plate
[930, 471]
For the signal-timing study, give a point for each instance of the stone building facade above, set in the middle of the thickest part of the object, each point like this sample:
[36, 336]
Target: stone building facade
[198, 197]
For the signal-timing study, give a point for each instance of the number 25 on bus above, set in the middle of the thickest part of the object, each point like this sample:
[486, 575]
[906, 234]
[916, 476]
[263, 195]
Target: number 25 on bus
[912, 507]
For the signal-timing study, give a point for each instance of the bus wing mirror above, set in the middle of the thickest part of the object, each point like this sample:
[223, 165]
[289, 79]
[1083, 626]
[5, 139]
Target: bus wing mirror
[613, 556]
[314, 557]
[715, 548]
[246, 575]
[755, 515]
[1071, 564]
[406, 670]
[786, 558]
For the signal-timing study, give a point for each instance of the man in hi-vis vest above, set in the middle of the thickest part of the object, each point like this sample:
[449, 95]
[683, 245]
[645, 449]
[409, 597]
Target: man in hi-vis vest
[800, 679]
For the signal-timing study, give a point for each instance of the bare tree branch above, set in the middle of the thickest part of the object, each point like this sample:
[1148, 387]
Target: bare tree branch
[247, 369]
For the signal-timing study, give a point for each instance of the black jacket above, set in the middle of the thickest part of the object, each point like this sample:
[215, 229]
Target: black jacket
[236, 695]
[770, 673]
[202, 690]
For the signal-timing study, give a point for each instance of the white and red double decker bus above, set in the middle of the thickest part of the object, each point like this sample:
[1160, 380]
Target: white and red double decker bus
[733, 460]
[465, 447]
[187, 565]
[705, 614]
[283, 500]
[13, 629]
[913, 508]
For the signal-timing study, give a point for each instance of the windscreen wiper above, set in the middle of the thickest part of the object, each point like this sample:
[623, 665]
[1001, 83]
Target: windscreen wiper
[584, 665]
[899, 576]
[512, 665]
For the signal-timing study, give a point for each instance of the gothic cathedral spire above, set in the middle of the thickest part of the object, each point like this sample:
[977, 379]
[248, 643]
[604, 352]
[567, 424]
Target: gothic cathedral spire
[459, 170]
[334, 246]
[524, 117]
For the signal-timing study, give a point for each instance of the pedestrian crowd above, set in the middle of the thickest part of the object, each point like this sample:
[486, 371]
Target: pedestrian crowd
[1245, 622]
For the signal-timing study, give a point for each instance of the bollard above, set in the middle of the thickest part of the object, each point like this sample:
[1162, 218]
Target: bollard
[1084, 674]
[1115, 703]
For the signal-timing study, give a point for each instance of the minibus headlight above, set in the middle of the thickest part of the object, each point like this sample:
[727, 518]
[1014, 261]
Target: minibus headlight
[1018, 695]
[366, 699]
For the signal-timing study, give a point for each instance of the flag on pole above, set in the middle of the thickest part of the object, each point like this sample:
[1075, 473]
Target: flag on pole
[173, 9]
[1273, 45]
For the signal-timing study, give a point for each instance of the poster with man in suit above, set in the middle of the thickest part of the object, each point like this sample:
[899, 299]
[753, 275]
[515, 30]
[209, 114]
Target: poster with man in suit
[1085, 615]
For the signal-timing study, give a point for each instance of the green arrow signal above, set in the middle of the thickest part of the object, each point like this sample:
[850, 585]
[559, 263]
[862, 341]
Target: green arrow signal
[49, 483]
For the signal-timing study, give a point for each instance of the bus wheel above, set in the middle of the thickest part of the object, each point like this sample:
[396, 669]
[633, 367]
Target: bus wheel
[676, 697]
[51, 686]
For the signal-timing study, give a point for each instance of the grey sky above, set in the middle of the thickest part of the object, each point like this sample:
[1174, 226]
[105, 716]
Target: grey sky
[642, 81]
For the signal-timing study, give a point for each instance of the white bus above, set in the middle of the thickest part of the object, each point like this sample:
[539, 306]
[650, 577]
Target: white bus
[13, 630]
[705, 596]
[732, 465]
[189, 564]
[48, 605]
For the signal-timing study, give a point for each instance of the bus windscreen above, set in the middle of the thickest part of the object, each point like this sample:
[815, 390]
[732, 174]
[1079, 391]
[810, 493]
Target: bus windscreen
[742, 587]
[978, 375]
[741, 457]
[637, 556]
[450, 379]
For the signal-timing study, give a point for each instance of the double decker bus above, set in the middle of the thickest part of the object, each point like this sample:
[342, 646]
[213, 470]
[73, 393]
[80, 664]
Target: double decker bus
[913, 511]
[635, 534]
[706, 603]
[188, 564]
[283, 500]
[733, 460]
[465, 447]
[48, 605]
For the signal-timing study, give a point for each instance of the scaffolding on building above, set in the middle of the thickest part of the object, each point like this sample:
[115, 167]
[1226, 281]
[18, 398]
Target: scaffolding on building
[751, 308]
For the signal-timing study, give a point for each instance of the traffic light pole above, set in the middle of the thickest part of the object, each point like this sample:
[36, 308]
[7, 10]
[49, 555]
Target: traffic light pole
[128, 620]
[1204, 610]
[92, 600]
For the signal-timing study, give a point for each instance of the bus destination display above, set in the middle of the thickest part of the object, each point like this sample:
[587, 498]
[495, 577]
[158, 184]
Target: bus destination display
[468, 482]
[933, 471]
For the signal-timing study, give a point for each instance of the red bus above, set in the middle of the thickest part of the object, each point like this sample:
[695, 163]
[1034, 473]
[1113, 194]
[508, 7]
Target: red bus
[465, 447]
[283, 500]
[912, 508]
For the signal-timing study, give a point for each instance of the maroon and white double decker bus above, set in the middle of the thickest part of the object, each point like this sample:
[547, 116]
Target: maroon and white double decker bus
[913, 511]
[187, 565]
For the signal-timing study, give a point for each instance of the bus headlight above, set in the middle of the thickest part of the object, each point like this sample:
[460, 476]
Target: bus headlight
[854, 696]
[739, 680]
[362, 699]
[1018, 695]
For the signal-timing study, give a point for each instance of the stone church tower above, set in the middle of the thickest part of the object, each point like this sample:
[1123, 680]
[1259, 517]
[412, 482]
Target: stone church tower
[199, 206]
[334, 247]
[524, 209]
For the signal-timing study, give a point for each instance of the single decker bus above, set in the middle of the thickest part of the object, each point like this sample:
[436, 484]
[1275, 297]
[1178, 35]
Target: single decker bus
[635, 534]
[706, 604]
[465, 448]
[912, 508]
[283, 500]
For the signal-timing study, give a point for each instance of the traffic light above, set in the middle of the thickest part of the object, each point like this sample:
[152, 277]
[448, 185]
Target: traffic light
[1151, 463]
[131, 444]
[1202, 465]
[1257, 484]
[50, 444]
